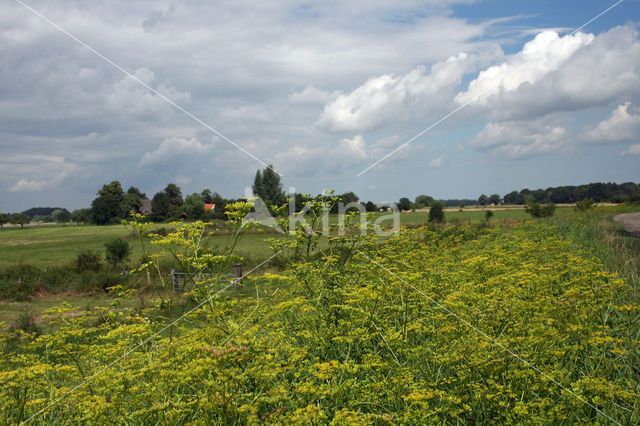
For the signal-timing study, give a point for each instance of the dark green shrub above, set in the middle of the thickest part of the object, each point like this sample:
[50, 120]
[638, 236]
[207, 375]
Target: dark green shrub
[26, 322]
[117, 251]
[537, 210]
[584, 205]
[488, 214]
[57, 278]
[104, 280]
[88, 260]
[436, 213]
[163, 231]
[19, 282]
[633, 199]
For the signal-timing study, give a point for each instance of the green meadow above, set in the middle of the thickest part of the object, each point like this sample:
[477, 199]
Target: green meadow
[54, 244]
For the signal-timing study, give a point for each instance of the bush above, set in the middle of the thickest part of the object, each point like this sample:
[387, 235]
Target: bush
[488, 214]
[584, 205]
[88, 260]
[537, 210]
[19, 282]
[117, 251]
[436, 214]
[26, 322]
[633, 199]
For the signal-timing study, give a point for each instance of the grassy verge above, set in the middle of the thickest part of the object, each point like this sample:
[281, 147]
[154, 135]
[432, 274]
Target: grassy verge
[618, 250]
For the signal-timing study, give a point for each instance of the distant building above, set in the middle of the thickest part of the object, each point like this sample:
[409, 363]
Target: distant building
[145, 208]
[209, 207]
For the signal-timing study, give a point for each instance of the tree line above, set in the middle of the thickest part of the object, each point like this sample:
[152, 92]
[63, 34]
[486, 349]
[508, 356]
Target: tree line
[113, 203]
[599, 192]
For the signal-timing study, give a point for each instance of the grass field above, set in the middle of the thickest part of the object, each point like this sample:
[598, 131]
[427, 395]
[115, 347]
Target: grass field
[48, 245]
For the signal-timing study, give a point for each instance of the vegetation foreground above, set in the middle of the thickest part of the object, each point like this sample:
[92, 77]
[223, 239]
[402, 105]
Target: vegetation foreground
[462, 324]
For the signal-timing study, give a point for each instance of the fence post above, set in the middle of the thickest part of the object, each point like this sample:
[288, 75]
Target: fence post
[238, 272]
[173, 279]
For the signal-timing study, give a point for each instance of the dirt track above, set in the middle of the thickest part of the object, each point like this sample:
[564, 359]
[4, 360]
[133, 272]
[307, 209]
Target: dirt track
[630, 221]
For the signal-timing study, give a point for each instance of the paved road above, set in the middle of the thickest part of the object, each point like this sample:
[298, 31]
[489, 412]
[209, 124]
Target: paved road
[631, 222]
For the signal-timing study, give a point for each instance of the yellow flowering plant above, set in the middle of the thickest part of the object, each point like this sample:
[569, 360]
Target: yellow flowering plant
[445, 325]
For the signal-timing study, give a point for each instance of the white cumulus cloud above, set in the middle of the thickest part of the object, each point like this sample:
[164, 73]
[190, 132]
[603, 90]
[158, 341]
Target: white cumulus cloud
[129, 97]
[170, 148]
[622, 125]
[28, 185]
[599, 71]
[518, 139]
[387, 98]
[312, 95]
[542, 55]
[436, 163]
[354, 148]
[632, 150]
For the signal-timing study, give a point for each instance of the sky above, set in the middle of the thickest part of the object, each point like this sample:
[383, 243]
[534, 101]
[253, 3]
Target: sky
[449, 98]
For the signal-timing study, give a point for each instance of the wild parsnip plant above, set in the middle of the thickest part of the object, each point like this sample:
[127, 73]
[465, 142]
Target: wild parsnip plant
[336, 338]
[202, 266]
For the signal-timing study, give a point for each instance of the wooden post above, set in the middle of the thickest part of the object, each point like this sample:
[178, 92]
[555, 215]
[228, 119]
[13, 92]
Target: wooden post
[238, 272]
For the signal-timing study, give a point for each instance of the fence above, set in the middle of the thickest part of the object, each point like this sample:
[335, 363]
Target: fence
[180, 280]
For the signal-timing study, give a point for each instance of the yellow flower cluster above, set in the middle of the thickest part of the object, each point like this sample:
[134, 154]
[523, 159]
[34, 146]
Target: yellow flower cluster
[418, 337]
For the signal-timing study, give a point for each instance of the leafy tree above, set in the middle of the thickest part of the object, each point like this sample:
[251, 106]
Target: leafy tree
[300, 200]
[346, 198]
[131, 201]
[494, 199]
[404, 204]
[436, 213]
[267, 186]
[370, 206]
[218, 211]
[208, 196]
[175, 194]
[106, 207]
[81, 215]
[258, 187]
[511, 198]
[194, 206]
[135, 191]
[62, 216]
[19, 219]
[349, 197]
[560, 195]
[160, 205]
[633, 199]
[41, 212]
[483, 200]
[423, 201]
[4, 218]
